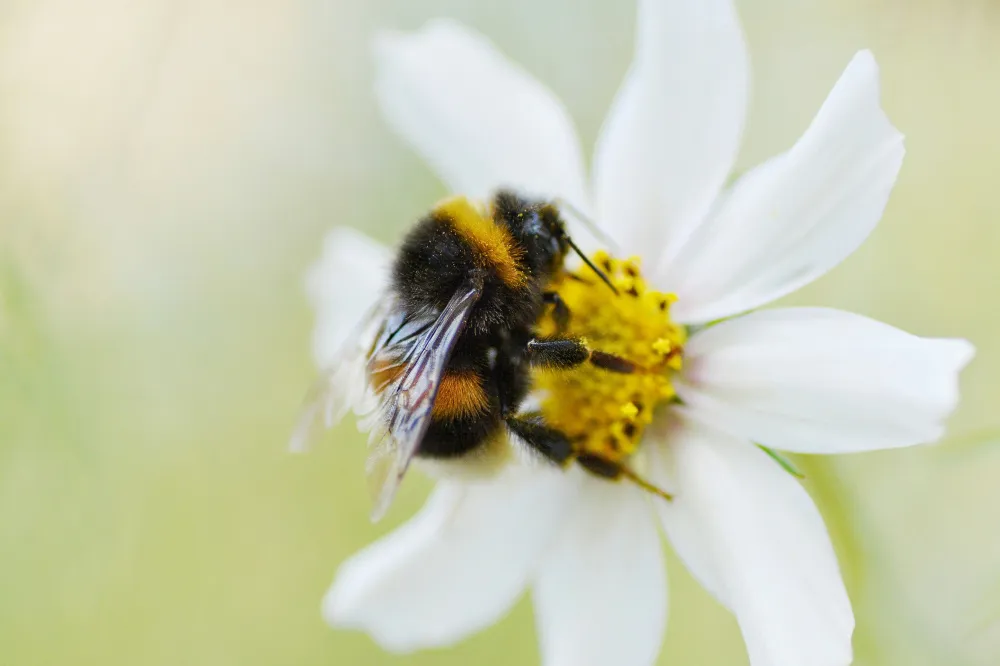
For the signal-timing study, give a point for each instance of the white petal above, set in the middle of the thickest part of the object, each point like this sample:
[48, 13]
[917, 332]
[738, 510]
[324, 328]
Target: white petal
[479, 120]
[798, 215]
[674, 129]
[344, 285]
[454, 568]
[763, 541]
[689, 544]
[817, 380]
[600, 595]
[346, 281]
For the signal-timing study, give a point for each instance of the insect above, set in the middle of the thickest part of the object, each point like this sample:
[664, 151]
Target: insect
[451, 346]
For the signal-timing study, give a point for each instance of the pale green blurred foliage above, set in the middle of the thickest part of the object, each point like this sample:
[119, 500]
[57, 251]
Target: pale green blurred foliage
[167, 172]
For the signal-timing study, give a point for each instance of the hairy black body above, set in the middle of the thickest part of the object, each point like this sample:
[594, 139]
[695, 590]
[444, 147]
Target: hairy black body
[513, 253]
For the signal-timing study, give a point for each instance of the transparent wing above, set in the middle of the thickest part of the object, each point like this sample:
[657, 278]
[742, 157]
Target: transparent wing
[406, 404]
[343, 385]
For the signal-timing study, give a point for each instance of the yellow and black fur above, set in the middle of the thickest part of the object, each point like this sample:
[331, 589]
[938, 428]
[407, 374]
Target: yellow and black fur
[513, 251]
[453, 347]
[453, 361]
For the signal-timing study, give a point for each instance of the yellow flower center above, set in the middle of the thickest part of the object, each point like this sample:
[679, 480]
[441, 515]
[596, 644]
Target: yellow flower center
[604, 413]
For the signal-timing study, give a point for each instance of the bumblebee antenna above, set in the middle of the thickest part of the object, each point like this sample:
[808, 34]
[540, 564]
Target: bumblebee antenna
[601, 274]
[592, 227]
[644, 484]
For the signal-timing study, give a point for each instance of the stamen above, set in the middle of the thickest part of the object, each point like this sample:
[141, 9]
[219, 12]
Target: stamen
[606, 412]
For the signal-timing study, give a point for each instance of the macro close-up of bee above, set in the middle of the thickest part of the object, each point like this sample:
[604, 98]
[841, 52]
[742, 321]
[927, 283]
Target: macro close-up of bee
[451, 351]
[423, 333]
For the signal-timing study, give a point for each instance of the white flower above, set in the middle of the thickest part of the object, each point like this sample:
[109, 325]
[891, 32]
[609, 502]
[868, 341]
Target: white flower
[807, 380]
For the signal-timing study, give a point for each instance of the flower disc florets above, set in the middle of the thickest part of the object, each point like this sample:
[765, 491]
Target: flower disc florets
[604, 412]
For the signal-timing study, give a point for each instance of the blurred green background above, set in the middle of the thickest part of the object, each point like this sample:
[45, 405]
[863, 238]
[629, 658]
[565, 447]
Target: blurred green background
[167, 171]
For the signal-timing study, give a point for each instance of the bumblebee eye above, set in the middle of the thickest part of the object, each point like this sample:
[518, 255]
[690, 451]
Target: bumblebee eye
[533, 227]
[555, 246]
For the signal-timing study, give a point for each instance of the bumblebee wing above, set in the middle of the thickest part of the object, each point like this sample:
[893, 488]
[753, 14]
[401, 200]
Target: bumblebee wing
[407, 405]
[342, 385]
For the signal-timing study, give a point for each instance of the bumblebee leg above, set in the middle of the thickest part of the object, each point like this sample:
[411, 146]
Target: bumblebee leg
[558, 353]
[560, 311]
[551, 443]
[511, 382]
[614, 470]
[569, 353]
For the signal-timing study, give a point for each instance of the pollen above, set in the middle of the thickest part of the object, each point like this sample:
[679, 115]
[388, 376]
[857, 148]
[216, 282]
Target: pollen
[604, 412]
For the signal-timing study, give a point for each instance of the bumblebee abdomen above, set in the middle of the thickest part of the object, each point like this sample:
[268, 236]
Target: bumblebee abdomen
[454, 437]
[462, 394]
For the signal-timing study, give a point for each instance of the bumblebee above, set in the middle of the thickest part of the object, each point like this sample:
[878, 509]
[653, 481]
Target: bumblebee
[453, 343]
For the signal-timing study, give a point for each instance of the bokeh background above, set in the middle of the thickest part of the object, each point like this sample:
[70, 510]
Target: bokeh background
[168, 169]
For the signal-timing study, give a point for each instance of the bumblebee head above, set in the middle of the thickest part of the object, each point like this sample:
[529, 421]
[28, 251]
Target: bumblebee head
[541, 233]
[544, 237]
[537, 228]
